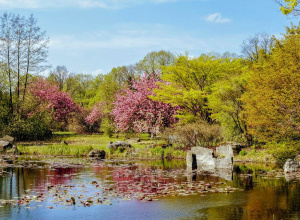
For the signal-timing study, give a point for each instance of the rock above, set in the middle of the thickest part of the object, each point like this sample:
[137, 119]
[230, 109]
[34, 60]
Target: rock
[13, 150]
[4, 145]
[118, 144]
[297, 159]
[291, 166]
[230, 148]
[99, 154]
[8, 138]
[202, 159]
[134, 140]
[8, 147]
[224, 151]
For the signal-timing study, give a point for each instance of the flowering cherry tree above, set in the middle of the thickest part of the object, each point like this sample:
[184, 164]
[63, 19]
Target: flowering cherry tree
[133, 109]
[48, 97]
[96, 114]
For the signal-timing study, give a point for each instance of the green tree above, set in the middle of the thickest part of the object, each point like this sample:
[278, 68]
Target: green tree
[226, 105]
[272, 99]
[189, 82]
[154, 61]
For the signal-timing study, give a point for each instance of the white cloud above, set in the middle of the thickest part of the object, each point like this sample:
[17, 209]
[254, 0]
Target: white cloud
[97, 72]
[109, 4]
[129, 37]
[217, 18]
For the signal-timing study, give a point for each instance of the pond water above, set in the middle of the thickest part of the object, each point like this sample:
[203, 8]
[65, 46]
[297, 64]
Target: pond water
[63, 188]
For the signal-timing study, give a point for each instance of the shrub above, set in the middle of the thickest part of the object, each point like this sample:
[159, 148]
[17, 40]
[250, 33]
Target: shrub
[243, 153]
[108, 127]
[27, 130]
[81, 126]
[283, 151]
[194, 134]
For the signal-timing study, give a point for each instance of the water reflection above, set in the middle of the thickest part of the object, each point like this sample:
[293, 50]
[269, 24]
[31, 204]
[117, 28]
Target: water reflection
[264, 193]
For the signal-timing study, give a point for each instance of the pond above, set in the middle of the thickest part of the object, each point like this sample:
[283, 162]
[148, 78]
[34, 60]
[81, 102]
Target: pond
[64, 188]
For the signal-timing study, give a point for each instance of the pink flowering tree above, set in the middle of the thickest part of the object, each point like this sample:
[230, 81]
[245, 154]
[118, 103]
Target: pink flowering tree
[94, 118]
[45, 96]
[134, 110]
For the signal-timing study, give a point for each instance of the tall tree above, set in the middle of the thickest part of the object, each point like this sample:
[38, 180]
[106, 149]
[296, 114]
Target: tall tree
[6, 52]
[272, 99]
[254, 45]
[59, 75]
[189, 82]
[36, 50]
[153, 62]
[23, 51]
[19, 38]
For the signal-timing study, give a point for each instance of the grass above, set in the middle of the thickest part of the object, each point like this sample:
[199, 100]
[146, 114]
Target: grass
[56, 150]
[255, 155]
[81, 145]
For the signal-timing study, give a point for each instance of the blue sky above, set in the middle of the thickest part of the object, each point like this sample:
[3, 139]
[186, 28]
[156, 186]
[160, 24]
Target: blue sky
[93, 36]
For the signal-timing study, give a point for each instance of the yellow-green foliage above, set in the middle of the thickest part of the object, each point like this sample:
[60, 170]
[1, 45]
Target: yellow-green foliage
[226, 105]
[272, 100]
[289, 6]
[282, 151]
[189, 82]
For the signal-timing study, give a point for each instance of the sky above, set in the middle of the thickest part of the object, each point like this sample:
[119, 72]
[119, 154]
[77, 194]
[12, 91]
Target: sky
[94, 36]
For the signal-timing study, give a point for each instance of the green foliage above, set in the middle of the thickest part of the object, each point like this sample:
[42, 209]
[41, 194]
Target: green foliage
[226, 105]
[190, 81]
[283, 151]
[243, 153]
[156, 151]
[108, 127]
[27, 130]
[272, 99]
[154, 61]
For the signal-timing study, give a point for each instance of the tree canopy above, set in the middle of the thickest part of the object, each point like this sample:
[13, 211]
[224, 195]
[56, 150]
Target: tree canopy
[272, 99]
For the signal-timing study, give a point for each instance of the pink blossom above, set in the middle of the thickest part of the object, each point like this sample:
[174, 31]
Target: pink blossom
[133, 109]
[96, 114]
[48, 96]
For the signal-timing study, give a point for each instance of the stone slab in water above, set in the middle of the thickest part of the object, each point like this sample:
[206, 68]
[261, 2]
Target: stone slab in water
[291, 166]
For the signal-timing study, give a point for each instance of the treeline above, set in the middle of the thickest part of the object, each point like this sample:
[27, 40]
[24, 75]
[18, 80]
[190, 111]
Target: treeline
[253, 98]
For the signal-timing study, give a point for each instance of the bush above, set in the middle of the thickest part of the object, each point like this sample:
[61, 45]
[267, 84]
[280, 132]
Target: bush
[194, 134]
[283, 151]
[108, 128]
[243, 153]
[27, 130]
[79, 124]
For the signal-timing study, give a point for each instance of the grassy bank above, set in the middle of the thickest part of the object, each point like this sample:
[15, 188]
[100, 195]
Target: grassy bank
[257, 156]
[142, 148]
[81, 145]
